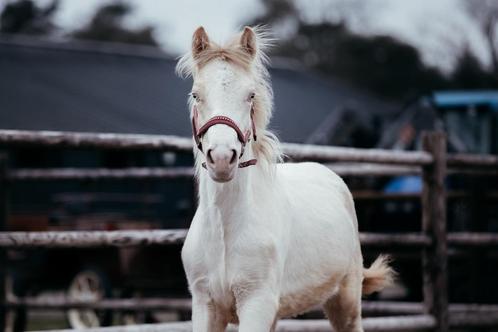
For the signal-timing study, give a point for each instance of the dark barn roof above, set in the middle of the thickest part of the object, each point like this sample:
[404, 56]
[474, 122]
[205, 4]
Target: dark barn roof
[108, 88]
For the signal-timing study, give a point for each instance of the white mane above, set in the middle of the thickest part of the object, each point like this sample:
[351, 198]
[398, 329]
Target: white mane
[267, 148]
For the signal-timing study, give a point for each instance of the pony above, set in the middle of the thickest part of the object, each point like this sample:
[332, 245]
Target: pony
[269, 239]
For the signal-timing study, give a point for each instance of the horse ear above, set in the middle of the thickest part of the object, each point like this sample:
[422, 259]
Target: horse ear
[248, 41]
[200, 41]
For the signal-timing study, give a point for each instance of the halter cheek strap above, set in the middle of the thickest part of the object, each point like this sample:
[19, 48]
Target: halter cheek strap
[243, 138]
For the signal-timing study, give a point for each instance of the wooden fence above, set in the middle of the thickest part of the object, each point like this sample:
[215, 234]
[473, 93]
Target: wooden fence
[432, 163]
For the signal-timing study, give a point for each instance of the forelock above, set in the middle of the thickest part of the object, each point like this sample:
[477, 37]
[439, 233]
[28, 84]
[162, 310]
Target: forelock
[231, 52]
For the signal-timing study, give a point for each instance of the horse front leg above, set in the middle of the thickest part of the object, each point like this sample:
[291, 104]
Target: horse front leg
[258, 311]
[206, 317]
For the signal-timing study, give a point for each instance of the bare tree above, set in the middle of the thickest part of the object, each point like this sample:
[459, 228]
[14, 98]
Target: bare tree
[485, 12]
[28, 17]
[107, 24]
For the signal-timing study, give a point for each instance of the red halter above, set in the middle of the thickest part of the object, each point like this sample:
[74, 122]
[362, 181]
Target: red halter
[243, 138]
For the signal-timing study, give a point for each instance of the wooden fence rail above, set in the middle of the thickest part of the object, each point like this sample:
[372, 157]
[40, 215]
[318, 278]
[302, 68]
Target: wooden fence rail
[89, 239]
[432, 163]
[175, 143]
[83, 174]
[94, 174]
[386, 324]
[19, 138]
[374, 324]
[185, 305]
[177, 172]
[472, 160]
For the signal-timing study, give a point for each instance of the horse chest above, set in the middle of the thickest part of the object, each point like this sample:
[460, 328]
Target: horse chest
[218, 274]
[228, 276]
[225, 265]
[218, 279]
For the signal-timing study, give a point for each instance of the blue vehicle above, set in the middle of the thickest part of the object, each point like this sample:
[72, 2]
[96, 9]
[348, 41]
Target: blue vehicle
[470, 119]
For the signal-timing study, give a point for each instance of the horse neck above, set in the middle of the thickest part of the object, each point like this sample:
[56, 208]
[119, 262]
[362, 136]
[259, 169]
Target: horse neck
[228, 201]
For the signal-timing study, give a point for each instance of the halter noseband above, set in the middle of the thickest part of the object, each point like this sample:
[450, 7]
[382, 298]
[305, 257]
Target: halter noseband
[219, 119]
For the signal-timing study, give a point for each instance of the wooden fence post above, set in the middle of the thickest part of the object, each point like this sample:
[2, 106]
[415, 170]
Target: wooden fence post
[3, 256]
[434, 258]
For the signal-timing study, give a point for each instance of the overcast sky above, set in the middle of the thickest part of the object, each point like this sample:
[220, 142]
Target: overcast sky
[439, 28]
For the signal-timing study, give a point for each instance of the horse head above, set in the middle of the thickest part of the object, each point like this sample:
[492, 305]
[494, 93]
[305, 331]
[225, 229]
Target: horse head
[228, 94]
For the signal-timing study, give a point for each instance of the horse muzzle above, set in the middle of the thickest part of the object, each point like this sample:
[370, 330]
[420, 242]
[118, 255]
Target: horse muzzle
[221, 163]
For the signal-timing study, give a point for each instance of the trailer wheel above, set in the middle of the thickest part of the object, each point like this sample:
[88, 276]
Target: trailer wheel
[90, 284]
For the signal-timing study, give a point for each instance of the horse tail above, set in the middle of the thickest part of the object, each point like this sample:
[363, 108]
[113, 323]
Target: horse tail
[378, 276]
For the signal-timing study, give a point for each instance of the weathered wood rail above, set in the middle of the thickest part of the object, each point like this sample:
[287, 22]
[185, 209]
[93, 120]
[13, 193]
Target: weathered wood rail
[175, 143]
[375, 324]
[432, 163]
[89, 239]
[179, 304]
[387, 324]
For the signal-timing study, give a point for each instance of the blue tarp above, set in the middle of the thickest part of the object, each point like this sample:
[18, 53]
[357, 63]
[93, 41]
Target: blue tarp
[404, 185]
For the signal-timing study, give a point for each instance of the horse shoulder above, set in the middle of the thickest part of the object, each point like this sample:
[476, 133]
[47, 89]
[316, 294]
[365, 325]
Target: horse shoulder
[193, 255]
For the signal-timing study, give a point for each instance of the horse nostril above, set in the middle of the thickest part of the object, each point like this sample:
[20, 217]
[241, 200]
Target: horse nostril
[234, 156]
[209, 157]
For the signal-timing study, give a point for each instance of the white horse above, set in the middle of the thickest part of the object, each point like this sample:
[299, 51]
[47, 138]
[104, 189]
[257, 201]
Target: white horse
[268, 240]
